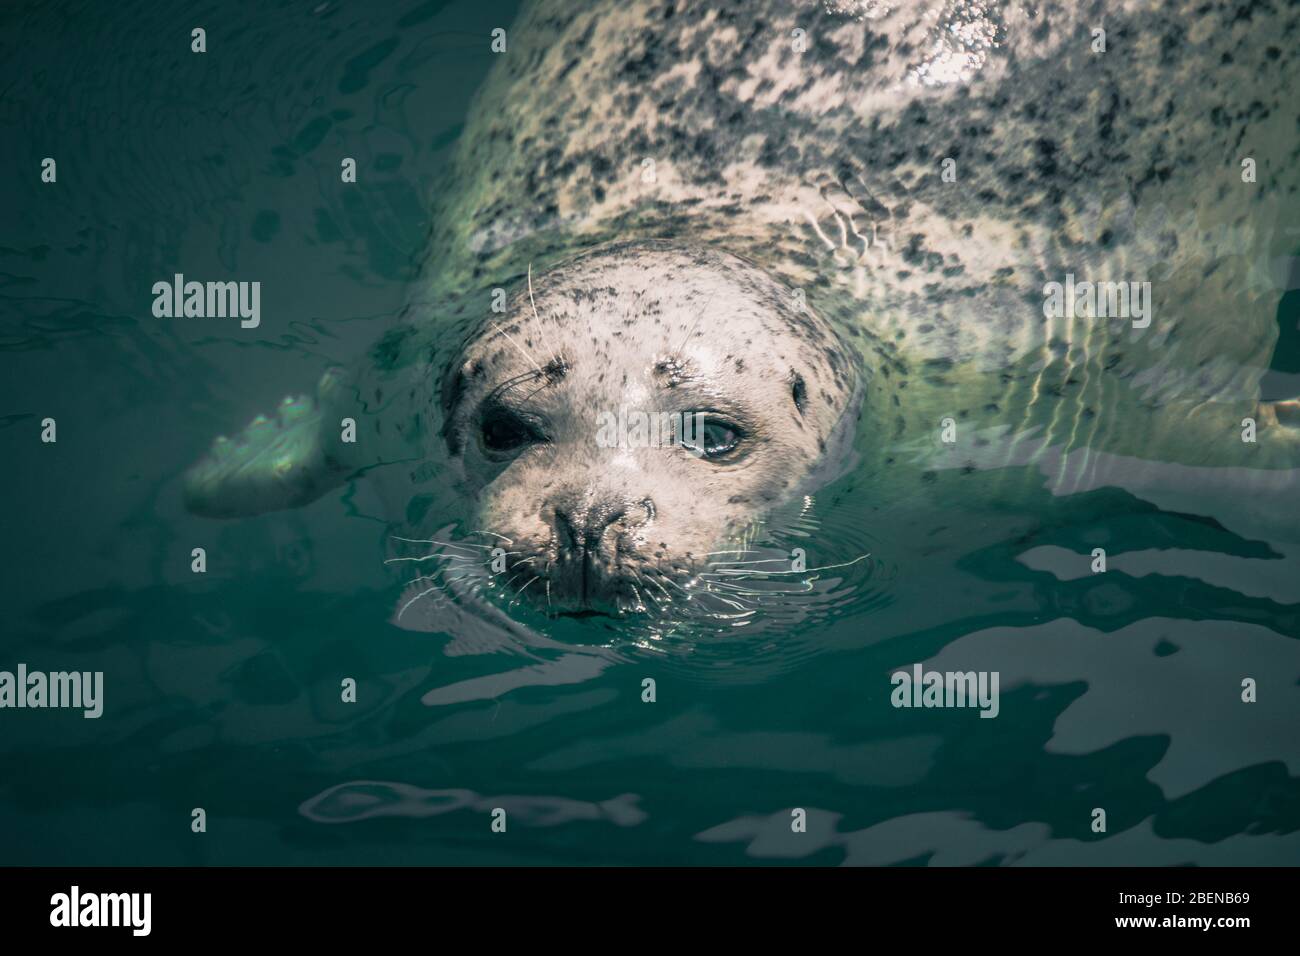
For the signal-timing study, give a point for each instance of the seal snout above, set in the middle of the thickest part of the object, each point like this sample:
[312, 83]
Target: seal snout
[589, 541]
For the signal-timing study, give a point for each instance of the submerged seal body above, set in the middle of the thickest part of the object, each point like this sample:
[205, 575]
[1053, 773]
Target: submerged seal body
[810, 223]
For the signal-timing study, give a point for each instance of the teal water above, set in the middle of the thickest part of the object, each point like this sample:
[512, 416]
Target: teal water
[222, 691]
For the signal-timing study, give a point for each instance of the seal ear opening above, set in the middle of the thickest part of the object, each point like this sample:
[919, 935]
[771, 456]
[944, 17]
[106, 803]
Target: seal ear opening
[798, 391]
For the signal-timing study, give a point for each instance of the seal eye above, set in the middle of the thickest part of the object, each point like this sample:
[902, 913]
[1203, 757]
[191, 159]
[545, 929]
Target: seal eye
[713, 438]
[504, 431]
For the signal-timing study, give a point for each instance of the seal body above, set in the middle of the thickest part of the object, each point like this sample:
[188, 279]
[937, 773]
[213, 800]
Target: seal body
[805, 220]
[922, 170]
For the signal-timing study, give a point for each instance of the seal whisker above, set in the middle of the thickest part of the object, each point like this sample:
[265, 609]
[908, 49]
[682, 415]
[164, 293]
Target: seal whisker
[521, 351]
[741, 571]
[729, 602]
[548, 381]
[423, 577]
[515, 382]
[691, 330]
[494, 534]
[416, 598]
[678, 586]
[648, 592]
[464, 577]
[446, 544]
[652, 580]
[520, 592]
[541, 326]
[429, 557]
[764, 592]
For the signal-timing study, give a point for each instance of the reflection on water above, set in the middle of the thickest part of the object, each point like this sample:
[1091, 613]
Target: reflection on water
[364, 799]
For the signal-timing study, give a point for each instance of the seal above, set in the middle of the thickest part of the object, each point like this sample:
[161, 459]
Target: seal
[826, 228]
[650, 328]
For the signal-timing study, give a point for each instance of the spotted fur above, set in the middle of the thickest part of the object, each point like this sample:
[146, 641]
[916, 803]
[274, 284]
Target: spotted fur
[821, 169]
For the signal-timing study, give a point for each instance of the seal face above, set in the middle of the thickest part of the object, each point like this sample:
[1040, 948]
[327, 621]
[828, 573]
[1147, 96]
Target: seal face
[643, 407]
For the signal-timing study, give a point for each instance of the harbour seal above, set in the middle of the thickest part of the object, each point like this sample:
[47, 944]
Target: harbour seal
[756, 409]
[832, 227]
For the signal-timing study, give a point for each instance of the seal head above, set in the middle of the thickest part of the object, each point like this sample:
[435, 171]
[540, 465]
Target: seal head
[640, 409]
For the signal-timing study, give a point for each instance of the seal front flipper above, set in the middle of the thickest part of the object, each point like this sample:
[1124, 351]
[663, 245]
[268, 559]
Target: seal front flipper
[274, 463]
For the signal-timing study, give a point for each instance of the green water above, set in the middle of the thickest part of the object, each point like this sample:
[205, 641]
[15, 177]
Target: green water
[222, 690]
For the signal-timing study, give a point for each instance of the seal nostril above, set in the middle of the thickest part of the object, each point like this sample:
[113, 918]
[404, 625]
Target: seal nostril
[649, 507]
[585, 533]
[566, 532]
[598, 522]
